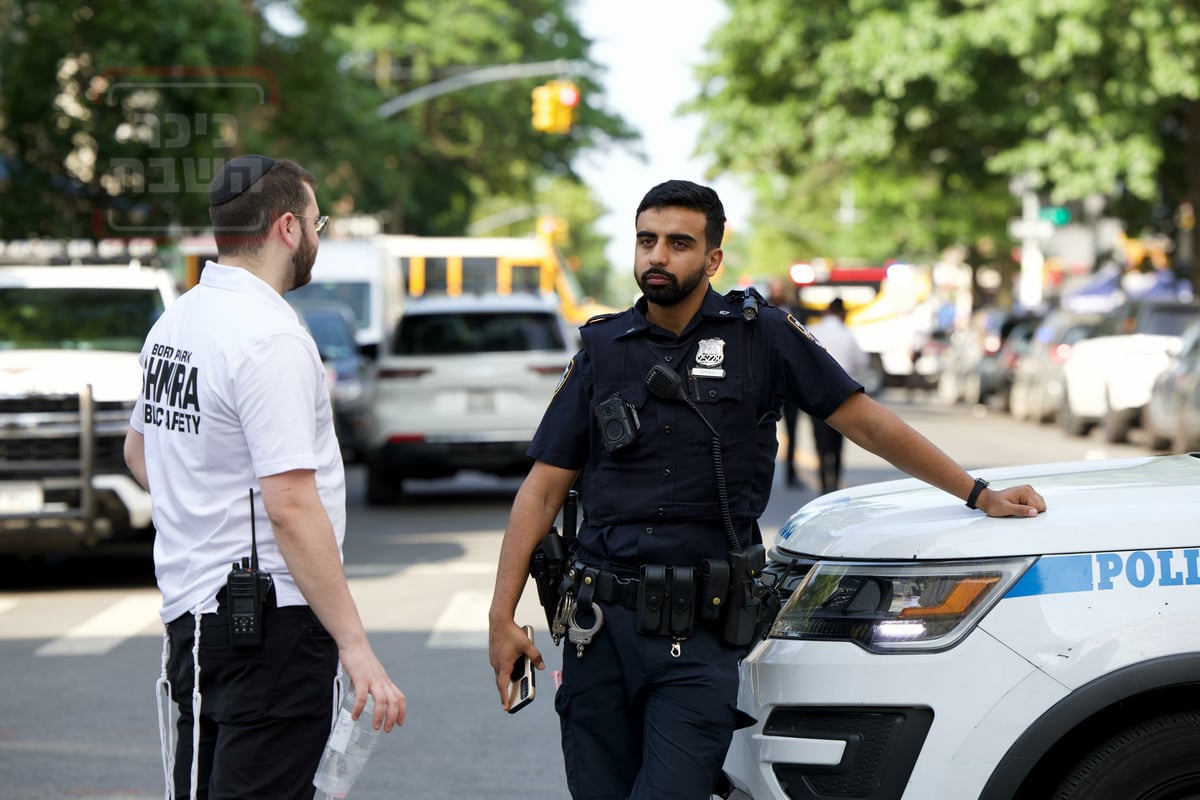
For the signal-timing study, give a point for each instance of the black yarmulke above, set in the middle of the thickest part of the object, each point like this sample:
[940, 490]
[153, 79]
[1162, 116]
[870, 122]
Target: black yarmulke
[237, 176]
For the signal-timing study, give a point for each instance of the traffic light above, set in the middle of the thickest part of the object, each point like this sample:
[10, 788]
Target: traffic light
[544, 117]
[555, 107]
[1056, 215]
[566, 106]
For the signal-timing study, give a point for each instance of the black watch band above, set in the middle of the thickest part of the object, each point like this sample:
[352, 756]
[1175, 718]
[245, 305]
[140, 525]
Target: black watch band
[980, 485]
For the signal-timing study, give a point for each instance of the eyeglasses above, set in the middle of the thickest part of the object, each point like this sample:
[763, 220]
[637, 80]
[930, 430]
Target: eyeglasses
[319, 223]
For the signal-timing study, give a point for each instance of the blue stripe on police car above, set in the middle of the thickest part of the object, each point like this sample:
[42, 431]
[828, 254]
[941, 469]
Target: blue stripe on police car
[1090, 572]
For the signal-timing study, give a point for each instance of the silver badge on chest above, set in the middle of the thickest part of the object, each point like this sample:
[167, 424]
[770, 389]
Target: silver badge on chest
[710, 355]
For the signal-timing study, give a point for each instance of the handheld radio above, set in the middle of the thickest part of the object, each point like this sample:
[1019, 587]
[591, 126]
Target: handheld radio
[246, 589]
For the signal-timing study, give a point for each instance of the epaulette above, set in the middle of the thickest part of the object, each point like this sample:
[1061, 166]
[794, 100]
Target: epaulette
[602, 317]
[738, 295]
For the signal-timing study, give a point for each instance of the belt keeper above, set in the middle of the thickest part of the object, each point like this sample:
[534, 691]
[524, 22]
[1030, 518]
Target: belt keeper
[587, 587]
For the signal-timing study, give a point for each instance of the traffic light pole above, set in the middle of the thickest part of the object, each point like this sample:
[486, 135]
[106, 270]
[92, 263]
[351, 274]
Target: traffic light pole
[502, 72]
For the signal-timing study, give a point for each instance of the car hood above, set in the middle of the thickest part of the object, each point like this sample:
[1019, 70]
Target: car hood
[114, 376]
[1119, 504]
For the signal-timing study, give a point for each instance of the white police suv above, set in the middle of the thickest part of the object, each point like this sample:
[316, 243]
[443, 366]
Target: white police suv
[931, 653]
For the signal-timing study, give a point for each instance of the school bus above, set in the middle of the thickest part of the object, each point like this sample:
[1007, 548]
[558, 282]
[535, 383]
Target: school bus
[457, 265]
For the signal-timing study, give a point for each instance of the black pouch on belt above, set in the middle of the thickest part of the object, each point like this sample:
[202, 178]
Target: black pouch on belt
[683, 597]
[651, 598]
[714, 586]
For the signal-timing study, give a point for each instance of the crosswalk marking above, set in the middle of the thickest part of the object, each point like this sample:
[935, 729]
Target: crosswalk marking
[103, 631]
[463, 623]
[411, 600]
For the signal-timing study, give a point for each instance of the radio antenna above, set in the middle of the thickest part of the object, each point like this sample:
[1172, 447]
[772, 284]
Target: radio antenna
[253, 537]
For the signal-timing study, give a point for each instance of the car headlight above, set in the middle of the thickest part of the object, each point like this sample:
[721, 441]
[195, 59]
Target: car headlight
[896, 607]
[347, 391]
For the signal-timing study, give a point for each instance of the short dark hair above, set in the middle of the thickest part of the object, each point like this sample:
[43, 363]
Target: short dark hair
[695, 197]
[240, 224]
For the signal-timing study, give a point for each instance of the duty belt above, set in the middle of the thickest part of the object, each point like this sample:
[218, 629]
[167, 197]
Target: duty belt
[679, 592]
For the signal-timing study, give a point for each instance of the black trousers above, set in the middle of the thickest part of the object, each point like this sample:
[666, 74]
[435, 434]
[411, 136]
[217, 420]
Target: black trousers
[829, 454]
[265, 712]
[791, 421]
[639, 723]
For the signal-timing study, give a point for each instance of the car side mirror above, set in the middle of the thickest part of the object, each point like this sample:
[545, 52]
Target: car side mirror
[369, 351]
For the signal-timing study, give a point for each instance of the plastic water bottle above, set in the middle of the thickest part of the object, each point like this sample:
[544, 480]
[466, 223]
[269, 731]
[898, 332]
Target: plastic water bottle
[346, 752]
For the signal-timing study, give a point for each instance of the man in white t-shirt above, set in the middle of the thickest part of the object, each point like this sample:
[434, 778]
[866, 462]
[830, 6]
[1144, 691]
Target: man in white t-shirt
[839, 342]
[233, 437]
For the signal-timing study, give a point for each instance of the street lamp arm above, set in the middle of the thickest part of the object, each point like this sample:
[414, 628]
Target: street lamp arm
[501, 72]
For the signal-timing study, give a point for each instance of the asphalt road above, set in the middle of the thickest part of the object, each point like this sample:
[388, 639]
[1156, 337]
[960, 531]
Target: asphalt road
[80, 645]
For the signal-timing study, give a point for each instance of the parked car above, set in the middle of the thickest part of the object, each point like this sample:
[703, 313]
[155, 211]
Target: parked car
[332, 326]
[928, 652]
[1109, 376]
[464, 387]
[1173, 415]
[971, 369]
[1037, 389]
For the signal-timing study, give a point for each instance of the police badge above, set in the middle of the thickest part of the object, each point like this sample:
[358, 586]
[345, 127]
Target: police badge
[709, 357]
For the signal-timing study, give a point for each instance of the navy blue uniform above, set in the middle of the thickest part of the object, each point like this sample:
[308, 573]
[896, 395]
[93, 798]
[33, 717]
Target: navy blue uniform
[637, 721]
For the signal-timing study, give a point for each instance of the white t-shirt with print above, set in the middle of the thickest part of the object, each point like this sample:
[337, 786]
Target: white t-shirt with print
[233, 390]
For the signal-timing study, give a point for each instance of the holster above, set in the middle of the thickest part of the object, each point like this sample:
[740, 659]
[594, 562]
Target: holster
[745, 596]
[547, 566]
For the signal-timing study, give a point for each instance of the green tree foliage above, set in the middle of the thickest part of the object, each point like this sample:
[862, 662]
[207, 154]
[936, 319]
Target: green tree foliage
[928, 108]
[92, 96]
[95, 101]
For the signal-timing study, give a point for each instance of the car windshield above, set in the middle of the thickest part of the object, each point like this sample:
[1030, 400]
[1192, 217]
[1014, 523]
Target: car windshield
[353, 294]
[91, 318]
[452, 333]
[1170, 320]
[332, 334]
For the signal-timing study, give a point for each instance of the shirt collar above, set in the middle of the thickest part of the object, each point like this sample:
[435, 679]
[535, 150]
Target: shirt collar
[713, 307]
[236, 279]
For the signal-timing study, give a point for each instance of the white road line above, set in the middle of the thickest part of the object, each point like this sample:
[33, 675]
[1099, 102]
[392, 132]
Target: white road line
[453, 568]
[105, 630]
[464, 621]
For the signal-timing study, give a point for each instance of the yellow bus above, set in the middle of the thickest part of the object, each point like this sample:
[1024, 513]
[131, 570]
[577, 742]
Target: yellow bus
[455, 265]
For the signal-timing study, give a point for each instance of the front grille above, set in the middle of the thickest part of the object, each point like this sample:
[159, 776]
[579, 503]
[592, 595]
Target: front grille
[28, 457]
[40, 436]
[50, 404]
[882, 745]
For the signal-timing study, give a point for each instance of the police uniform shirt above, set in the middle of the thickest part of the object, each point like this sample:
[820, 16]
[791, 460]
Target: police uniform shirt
[233, 390]
[656, 499]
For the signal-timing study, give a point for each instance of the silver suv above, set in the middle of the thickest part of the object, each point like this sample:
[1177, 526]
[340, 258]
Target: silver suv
[463, 387]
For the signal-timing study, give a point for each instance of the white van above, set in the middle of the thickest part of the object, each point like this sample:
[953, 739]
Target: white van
[929, 652]
[363, 275]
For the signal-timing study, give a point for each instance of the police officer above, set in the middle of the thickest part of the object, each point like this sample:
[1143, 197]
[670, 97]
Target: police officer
[233, 437]
[684, 385]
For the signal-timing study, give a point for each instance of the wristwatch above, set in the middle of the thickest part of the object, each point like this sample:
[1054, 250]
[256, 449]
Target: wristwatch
[980, 485]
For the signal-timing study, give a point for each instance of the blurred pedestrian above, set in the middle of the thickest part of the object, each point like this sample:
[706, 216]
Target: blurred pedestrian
[777, 296]
[831, 331]
[233, 438]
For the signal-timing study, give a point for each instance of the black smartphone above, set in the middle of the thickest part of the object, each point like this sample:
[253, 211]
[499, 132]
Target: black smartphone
[521, 689]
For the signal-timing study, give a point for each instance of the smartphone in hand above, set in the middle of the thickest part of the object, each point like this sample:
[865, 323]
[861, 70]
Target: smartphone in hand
[521, 690]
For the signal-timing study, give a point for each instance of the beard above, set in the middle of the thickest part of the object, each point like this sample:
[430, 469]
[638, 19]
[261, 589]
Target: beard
[674, 291]
[302, 263]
